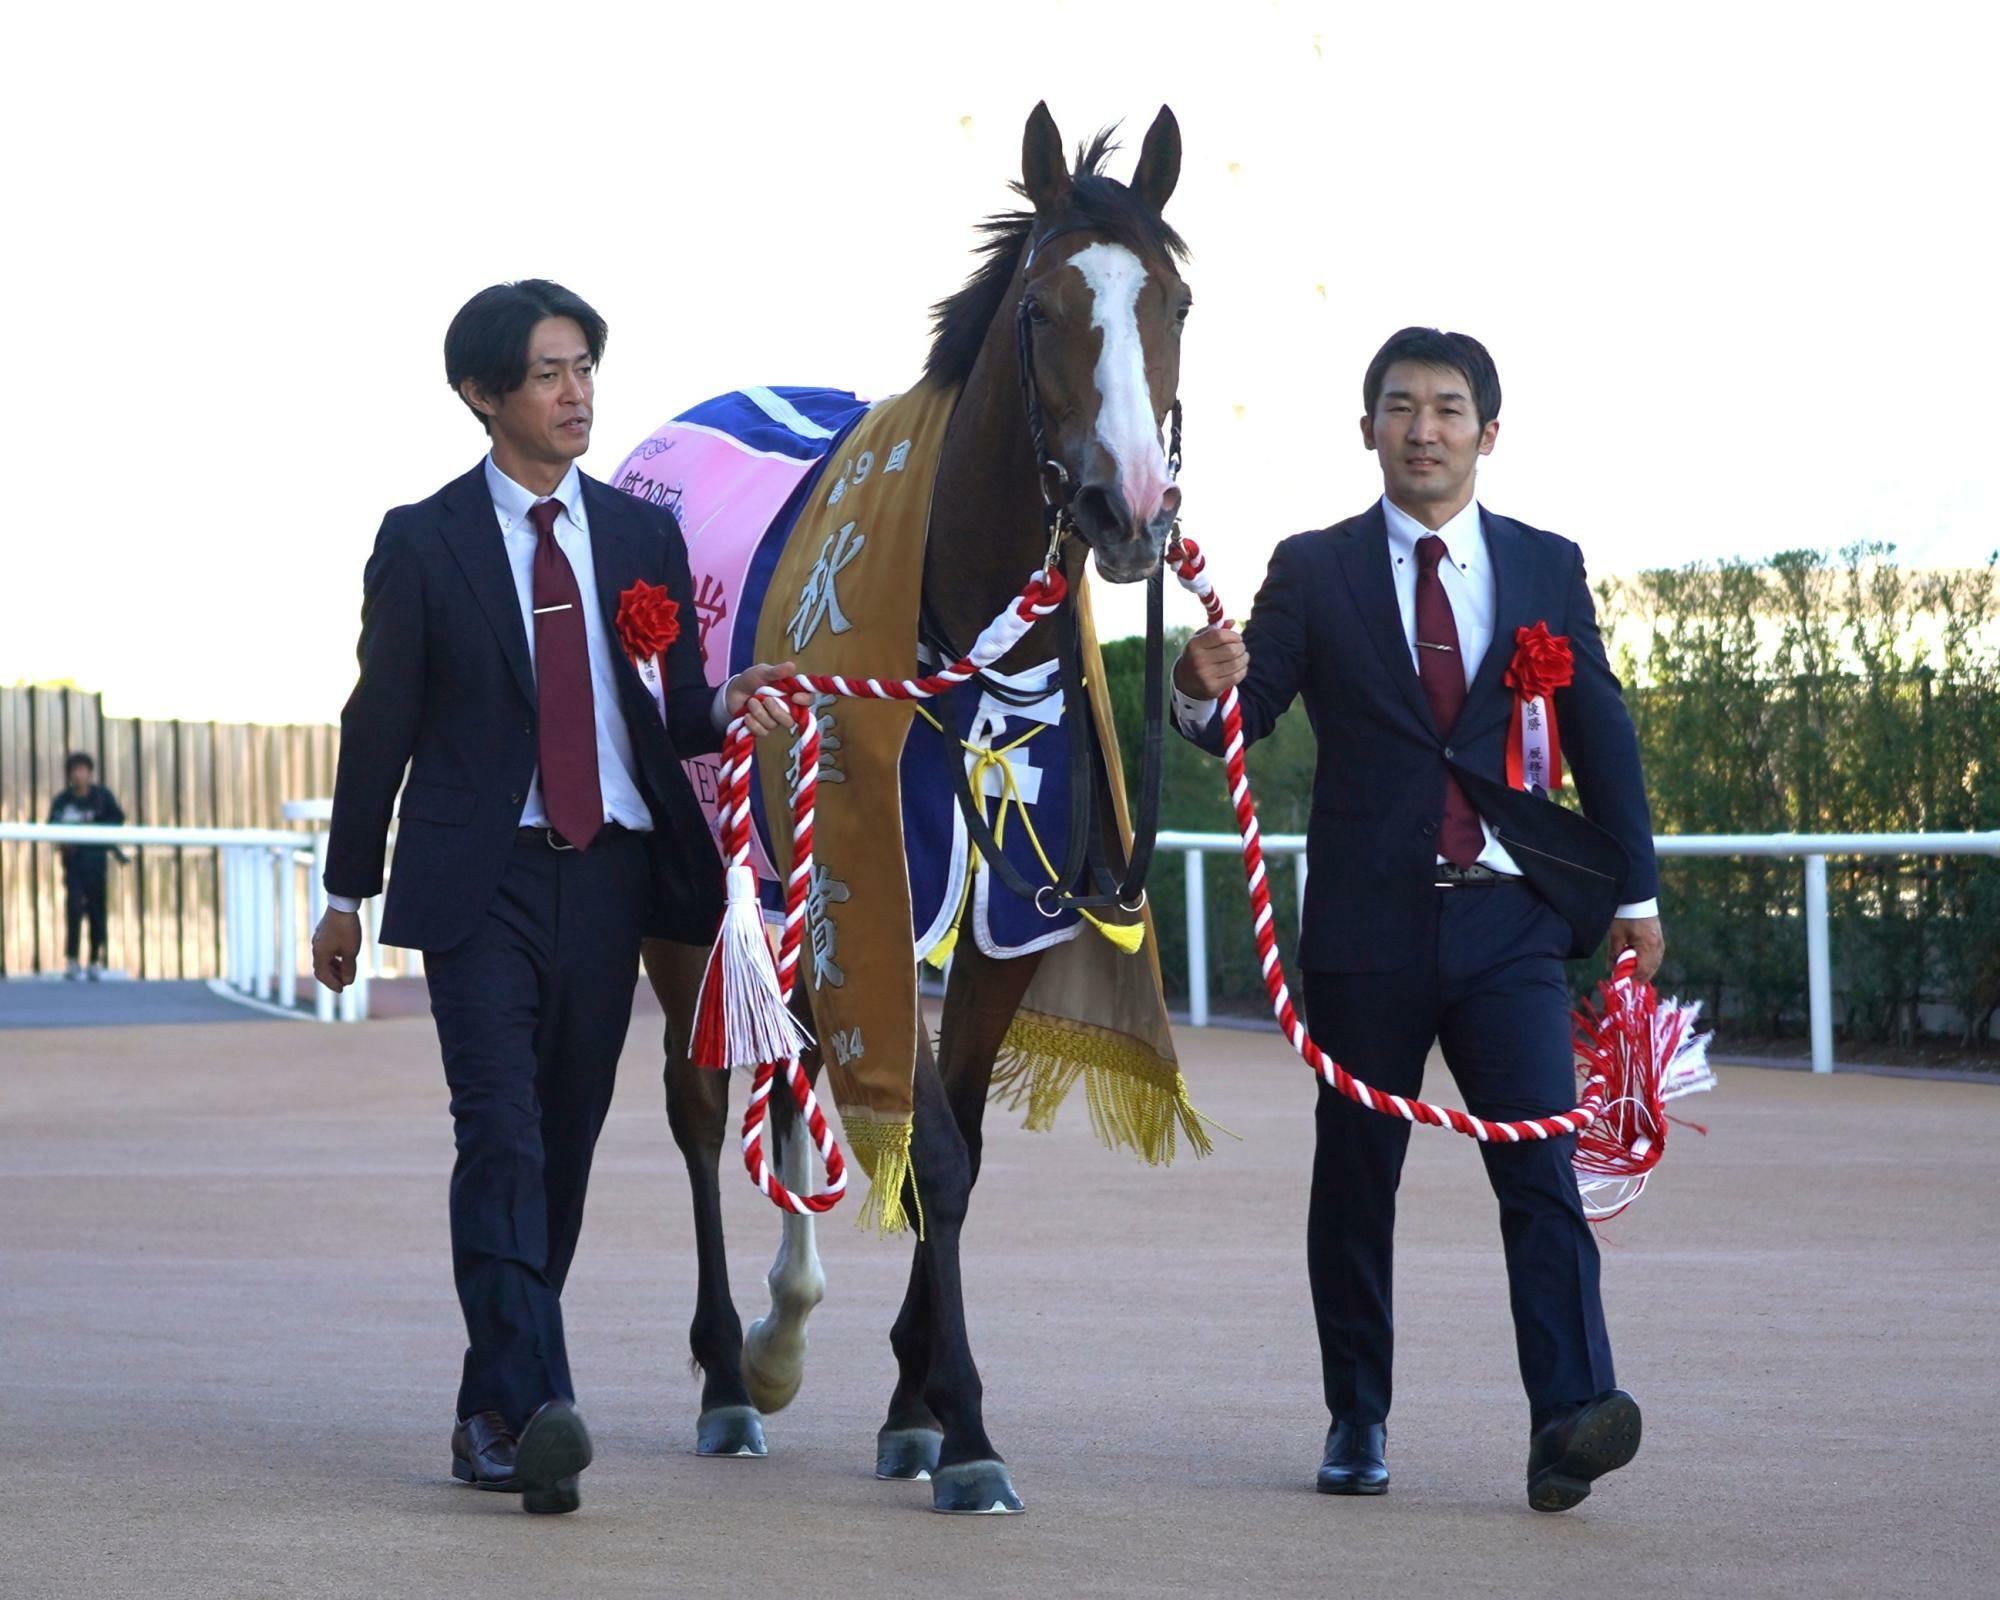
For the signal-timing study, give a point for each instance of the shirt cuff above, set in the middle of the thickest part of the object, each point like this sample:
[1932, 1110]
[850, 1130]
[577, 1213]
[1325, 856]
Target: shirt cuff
[341, 902]
[1638, 909]
[718, 709]
[1193, 715]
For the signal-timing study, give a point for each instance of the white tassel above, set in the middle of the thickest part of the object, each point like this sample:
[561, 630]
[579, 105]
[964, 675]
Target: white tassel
[757, 1025]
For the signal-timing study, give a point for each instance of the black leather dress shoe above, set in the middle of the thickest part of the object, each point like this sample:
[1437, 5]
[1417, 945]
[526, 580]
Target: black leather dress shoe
[1569, 1453]
[1354, 1462]
[554, 1448]
[482, 1452]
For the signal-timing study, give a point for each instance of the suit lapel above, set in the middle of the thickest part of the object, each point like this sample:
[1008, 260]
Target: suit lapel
[1363, 554]
[472, 533]
[616, 564]
[1512, 595]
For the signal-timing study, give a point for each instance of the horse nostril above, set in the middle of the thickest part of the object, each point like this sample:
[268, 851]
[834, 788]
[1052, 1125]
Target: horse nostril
[1099, 511]
[1170, 505]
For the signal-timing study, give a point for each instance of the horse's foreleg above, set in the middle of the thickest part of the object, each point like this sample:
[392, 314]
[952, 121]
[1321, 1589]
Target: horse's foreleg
[698, 1113]
[774, 1353]
[970, 1476]
[980, 1001]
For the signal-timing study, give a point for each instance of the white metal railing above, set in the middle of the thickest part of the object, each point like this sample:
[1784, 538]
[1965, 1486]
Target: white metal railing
[259, 872]
[351, 1005]
[257, 894]
[1814, 848]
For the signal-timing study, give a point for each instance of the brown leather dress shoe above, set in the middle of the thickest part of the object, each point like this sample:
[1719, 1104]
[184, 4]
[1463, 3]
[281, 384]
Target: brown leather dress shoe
[1571, 1452]
[554, 1448]
[482, 1452]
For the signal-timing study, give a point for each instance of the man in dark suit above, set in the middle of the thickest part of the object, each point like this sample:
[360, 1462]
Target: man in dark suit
[1441, 900]
[545, 827]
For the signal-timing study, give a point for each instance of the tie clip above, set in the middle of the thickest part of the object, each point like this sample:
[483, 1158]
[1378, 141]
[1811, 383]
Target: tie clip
[1425, 644]
[543, 610]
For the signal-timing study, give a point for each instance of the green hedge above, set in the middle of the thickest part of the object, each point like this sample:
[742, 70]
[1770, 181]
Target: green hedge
[1802, 693]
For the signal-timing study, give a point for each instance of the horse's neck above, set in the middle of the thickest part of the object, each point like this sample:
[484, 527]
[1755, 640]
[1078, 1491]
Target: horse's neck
[986, 531]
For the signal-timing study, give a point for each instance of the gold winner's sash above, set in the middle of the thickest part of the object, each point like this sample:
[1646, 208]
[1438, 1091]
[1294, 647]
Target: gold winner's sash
[844, 599]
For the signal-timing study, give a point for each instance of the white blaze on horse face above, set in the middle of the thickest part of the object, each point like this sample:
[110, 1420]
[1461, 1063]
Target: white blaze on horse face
[1126, 426]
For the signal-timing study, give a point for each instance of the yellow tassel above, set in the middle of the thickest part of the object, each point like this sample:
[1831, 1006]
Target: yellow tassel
[940, 956]
[882, 1150]
[1127, 936]
[1138, 1101]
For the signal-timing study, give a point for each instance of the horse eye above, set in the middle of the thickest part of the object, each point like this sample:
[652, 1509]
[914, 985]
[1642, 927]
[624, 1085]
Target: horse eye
[1181, 313]
[1036, 314]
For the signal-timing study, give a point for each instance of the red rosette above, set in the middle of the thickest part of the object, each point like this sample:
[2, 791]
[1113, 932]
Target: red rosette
[1541, 663]
[648, 620]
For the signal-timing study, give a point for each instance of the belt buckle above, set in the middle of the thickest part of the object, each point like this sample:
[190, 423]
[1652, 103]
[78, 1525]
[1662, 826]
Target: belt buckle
[557, 841]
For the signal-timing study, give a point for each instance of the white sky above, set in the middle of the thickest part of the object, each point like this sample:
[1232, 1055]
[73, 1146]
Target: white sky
[1733, 262]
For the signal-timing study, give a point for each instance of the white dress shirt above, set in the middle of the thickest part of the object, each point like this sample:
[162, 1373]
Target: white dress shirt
[1466, 572]
[623, 803]
[615, 764]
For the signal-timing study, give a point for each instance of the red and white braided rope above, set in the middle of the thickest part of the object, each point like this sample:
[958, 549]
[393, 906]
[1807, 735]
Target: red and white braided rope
[1190, 567]
[1039, 596]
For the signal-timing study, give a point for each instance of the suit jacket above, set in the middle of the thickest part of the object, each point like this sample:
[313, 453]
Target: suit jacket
[447, 690]
[1326, 627]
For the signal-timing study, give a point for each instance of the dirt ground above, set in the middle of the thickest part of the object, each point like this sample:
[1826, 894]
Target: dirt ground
[230, 1348]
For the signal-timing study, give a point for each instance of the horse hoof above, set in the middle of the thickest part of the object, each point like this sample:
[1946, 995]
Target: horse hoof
[975, 1489]
[910, 1454]
[730, 1431]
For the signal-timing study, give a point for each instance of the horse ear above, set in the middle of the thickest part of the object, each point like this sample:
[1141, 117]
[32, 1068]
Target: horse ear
[1044, 174]
[1159, 166]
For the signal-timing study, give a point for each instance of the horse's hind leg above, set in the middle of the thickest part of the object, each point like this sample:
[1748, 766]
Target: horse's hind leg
[774, 1353]
[698, 1113]
[980, 1001]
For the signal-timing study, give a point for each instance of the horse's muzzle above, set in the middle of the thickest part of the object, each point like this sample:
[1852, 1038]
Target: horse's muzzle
[1127, 549]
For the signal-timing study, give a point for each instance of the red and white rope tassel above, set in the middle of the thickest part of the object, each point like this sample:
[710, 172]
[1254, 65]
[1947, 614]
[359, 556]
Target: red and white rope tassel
[1608, 1082]
[743, 1017]
[1647, 1052]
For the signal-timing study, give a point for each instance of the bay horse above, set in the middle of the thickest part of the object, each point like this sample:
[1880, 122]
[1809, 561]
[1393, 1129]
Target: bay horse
[1086, 283]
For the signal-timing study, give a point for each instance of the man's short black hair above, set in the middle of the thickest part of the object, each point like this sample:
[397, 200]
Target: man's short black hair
[488, 339]
[79, 758]
[1433, 347]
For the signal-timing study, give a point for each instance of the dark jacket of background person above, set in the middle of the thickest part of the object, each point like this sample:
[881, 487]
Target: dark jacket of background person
[99, 806]
[447, 688]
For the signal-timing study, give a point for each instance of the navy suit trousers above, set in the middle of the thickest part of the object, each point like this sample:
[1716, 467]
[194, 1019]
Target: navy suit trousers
[531, 1013]
[1490, 991]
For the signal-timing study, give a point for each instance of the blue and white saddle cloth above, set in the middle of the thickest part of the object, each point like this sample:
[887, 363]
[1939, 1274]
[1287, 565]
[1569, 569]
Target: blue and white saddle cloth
[1016, 759]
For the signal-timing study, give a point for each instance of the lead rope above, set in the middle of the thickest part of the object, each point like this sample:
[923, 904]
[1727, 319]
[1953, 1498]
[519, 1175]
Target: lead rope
[743, 1017]
[1190, 566]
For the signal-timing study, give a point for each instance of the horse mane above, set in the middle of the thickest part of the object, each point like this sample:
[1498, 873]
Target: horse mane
[959, 323]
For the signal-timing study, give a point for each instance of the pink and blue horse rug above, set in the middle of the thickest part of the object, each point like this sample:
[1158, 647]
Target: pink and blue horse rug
[735, 471]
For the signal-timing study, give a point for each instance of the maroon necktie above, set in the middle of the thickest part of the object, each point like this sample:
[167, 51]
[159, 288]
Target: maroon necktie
[562, 690]
[1441, 670]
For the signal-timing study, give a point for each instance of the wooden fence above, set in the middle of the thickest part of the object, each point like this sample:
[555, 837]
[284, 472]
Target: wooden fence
[164, 921]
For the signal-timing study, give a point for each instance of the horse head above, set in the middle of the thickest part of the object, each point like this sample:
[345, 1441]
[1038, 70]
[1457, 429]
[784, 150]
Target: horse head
[1099, 314]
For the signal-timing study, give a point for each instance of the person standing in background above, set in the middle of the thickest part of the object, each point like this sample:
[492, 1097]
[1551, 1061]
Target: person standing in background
[83, 799]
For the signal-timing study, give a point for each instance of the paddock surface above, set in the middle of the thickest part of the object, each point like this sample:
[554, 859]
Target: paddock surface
[231, 1347]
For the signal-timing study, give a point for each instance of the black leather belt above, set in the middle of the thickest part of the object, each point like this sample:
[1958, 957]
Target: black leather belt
[548, 837]
[1450, 877]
